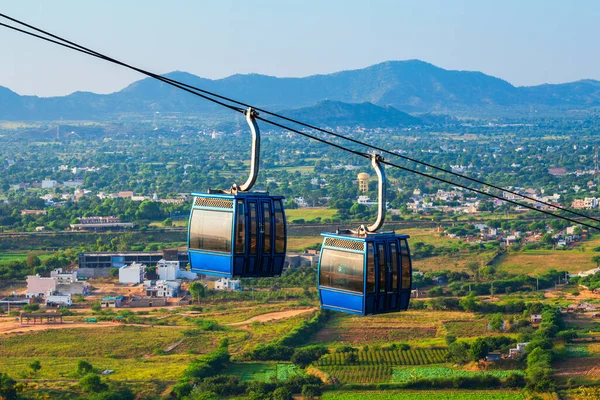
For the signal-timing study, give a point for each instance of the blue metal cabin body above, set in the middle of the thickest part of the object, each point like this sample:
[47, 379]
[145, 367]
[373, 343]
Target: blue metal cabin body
[241, 235]
[366, 274]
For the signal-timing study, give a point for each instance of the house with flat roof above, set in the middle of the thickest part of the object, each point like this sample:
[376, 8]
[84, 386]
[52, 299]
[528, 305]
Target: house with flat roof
[133, 273]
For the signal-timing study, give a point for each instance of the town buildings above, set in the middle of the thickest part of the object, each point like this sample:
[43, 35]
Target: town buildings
[133, 273]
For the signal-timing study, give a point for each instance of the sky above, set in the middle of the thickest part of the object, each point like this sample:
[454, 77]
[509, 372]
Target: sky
[524, 42]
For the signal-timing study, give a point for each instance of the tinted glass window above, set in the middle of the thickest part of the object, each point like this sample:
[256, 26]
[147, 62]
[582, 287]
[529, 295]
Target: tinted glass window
[342, 270]
[253, 226]
[382, 267]
[370, 269]
[211, 230]
[267, 225]
[406, 266]
[279, 228]
[394, 262]
[240, 228]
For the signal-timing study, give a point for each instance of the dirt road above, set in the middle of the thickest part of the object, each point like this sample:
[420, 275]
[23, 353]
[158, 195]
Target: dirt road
[16, 327]
[274, 316]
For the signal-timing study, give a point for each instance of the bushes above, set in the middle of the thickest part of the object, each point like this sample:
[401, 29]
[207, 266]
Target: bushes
[221, 386]
[209, 365]
[271, 351]
[307, 355]
[302, 332]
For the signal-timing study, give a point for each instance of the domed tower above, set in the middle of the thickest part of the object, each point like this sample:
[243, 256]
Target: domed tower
[363, 182]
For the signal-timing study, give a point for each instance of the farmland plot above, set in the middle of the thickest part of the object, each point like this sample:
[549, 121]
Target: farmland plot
[360, 374]
[426, 395]
[389, 357]
[411, 374]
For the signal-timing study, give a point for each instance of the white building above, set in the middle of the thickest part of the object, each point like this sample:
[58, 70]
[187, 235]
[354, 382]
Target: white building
[227, 284]
[64, 277]
[170, 270]
[49, 184]
[590, 202]
[162, 288]
[58, 299]
[133, 273]
[167, 270]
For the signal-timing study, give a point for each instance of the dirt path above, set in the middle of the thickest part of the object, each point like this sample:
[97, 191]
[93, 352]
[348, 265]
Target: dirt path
[274, 316]
[6, 329]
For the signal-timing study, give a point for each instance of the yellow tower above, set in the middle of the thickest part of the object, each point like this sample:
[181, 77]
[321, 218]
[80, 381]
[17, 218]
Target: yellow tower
[363, 182]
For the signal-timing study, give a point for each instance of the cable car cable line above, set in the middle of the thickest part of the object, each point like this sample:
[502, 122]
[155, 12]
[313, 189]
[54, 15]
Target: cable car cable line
[195, 91]
[78, 47]
[75, 46]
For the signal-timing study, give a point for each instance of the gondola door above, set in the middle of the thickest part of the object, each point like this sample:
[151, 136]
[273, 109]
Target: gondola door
[254, 238]
[388, 279]
[266, 237]
[393, 276]
[382, 276]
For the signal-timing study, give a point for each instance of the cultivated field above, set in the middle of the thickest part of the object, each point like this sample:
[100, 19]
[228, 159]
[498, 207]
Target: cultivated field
[309, 213]
[541, 261]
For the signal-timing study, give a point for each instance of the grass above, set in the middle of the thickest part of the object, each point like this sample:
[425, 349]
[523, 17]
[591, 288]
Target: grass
[122, 341]
[426, 395]
[537, 262]
[263, 372]
[9, 257]
[165, 368]
[417, 327]
[308, 213]
[299, 243]
[453, 262]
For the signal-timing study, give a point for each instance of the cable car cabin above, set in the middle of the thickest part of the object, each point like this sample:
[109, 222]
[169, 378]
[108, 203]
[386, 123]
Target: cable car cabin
[242, 235]
[366, 274]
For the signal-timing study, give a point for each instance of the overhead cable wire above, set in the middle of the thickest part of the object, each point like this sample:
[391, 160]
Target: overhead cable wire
[176, 83]
[310, 126]
[186, 87]
[150, 74]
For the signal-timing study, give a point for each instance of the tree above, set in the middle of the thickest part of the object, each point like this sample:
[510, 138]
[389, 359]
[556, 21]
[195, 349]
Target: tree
[309, 392]
[497, 323]
[8, 388]
[469, 302]
[458, 352]
[114, 272]
[35, 366]
[281, 393]
[450, 338]
[33, 261]
[197, 290]
[84, 368]
[91, 383]
[473, 266]
[596, 260]
[479, 349]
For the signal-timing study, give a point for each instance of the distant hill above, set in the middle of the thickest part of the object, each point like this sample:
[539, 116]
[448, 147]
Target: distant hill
[411, 86]
[368, 115]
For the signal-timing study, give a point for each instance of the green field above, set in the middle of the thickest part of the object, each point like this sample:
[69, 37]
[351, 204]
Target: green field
[263, 372]
[426, 395]
[410, 374]
[8, 257]
[309, 213]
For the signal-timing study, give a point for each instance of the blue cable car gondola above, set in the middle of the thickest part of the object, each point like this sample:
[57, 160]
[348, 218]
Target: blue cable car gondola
[234, 233]
[363, 271]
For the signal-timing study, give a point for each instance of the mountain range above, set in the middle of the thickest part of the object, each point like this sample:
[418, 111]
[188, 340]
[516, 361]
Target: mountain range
[382, 94]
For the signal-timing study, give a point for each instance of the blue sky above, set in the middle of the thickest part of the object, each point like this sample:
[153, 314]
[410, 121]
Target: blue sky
[524, 42]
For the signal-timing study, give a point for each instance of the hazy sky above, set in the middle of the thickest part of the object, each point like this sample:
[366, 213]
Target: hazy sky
[526, 42]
